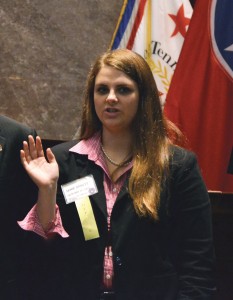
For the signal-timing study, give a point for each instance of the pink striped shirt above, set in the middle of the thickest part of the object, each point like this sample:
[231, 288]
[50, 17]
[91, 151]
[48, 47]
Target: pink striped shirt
[92, 148]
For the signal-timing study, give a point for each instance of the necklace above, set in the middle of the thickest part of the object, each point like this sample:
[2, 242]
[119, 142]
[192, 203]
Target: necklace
[114, 162]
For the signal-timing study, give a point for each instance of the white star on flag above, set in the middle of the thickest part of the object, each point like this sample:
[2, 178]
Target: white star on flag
[230, 48]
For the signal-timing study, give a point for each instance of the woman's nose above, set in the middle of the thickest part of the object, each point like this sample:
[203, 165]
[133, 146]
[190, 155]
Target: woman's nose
[111, 98]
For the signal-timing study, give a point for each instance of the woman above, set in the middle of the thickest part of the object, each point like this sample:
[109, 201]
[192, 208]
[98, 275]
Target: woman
[148, 232]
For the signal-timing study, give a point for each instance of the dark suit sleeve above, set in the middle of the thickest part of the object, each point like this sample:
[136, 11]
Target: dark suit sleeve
[192, 230]
[18, 195]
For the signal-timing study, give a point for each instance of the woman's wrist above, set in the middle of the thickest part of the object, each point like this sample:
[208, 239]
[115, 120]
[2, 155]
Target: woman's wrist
[46, 205]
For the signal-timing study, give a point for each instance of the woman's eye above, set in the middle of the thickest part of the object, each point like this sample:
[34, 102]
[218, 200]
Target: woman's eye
[102, 90]
[124, 90]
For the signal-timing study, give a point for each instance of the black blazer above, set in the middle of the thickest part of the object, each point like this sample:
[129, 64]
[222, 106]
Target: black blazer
[17, 195]
[165, 260]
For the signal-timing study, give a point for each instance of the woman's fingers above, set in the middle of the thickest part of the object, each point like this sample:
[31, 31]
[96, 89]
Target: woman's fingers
[42, 171]
[22, 157]
[39, 147]
[26, 152]
[32, 147]
[50, 156]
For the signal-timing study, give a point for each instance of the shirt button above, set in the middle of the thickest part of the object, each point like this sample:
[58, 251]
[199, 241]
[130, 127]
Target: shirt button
[114, 190]
[118, 261]
[108, 276]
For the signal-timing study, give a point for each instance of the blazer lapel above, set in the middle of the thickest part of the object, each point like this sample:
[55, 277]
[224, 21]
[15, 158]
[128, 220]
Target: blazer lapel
[123, 219]
[90, 168]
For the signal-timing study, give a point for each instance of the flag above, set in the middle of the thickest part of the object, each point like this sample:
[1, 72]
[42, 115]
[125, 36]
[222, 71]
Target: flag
[200, 98]
[155, 29]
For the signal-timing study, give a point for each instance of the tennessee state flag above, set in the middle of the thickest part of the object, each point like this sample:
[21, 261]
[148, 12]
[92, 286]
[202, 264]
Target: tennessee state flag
[156, 30]
[200, 97]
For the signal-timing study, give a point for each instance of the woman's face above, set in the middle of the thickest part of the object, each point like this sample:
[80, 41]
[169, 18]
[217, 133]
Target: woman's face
[116, 98]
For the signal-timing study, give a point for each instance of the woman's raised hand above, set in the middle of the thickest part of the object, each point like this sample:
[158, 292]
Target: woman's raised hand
[44, 172]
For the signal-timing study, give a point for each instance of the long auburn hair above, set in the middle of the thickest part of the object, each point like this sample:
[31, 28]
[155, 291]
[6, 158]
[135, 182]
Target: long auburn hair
[150, 129]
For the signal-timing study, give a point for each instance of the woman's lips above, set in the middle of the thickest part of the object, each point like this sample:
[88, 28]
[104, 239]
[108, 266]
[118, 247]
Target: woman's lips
[111, 110]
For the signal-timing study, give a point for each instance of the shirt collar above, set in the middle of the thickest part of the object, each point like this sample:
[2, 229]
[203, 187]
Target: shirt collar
[92, 148]
[89, 147]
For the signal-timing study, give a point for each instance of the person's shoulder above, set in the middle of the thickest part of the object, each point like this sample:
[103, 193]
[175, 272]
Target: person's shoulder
[14, 130]
[13, 127]
[63, 147]
[65, 158]
[181, 157]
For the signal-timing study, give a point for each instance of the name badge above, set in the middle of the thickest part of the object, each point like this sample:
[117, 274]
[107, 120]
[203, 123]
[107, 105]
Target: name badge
[79, 188]
[78, 191]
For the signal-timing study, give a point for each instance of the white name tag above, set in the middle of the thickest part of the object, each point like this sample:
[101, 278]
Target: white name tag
[79, 189]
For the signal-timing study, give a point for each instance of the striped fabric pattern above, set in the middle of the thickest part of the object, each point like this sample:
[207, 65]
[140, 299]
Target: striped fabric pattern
[129, 21]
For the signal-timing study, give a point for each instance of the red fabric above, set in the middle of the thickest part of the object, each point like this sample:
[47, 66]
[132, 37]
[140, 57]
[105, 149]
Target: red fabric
[200, 101]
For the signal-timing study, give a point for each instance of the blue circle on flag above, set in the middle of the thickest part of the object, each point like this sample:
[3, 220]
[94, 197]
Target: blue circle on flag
[222, 32]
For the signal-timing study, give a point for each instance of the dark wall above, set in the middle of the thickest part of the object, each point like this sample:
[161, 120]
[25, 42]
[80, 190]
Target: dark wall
[46, 50]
